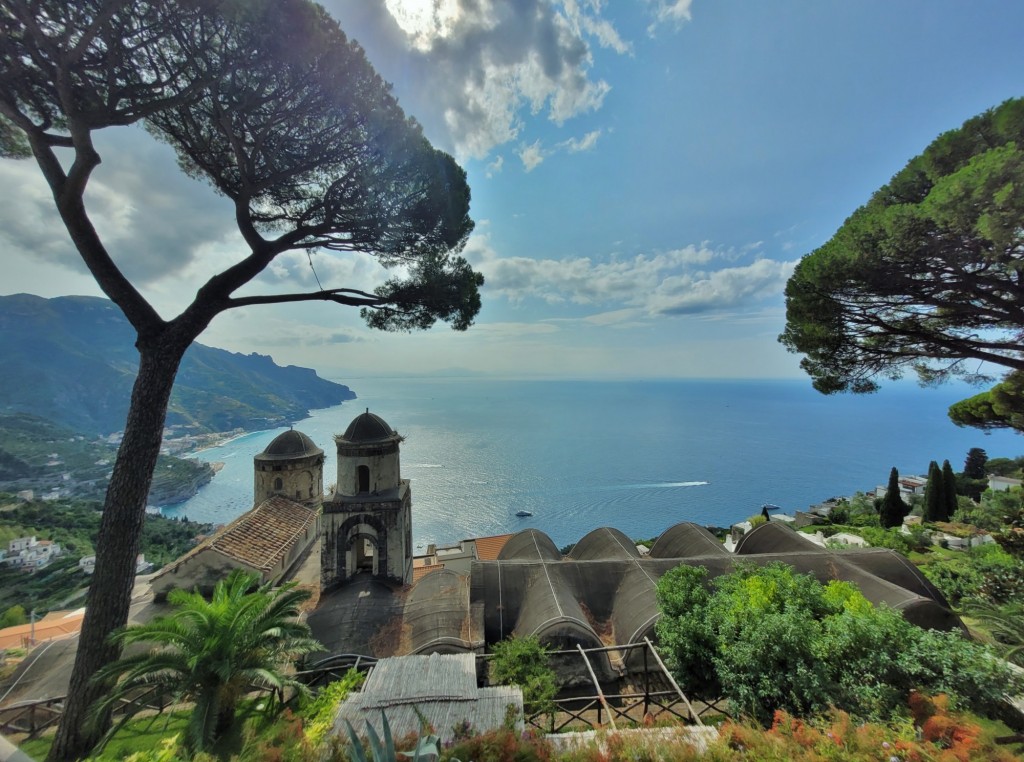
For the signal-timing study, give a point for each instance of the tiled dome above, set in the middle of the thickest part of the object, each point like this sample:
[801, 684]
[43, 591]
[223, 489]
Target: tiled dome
[291, 444]
[368, 427]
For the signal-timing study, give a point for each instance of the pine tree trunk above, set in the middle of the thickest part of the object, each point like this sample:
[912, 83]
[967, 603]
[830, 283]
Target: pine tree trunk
[117, 546]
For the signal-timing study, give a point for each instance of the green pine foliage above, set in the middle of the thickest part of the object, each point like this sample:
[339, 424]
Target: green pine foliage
[974, 463]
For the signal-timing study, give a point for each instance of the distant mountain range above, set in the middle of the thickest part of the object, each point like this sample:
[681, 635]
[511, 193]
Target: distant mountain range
[72, 360]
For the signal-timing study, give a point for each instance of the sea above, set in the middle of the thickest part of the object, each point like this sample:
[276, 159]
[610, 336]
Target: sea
[636, 455]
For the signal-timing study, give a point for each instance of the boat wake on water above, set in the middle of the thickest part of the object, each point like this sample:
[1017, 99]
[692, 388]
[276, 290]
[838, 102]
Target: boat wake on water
[657, 485]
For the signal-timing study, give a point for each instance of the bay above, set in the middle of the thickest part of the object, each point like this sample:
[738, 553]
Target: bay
[636, 455]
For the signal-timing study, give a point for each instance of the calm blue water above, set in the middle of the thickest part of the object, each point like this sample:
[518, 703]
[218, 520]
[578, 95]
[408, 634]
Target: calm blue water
[639, 456]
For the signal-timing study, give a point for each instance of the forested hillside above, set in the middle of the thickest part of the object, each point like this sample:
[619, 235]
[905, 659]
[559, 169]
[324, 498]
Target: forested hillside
[43, 457]
[74, 524]
[71, 360]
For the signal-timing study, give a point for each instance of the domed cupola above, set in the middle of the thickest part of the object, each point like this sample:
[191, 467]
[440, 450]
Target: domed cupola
[368, 462]
[368, 427]
[291, 466]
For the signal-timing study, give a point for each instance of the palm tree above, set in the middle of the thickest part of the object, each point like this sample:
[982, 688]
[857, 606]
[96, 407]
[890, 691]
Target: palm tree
[212, 652]
[1006, 623]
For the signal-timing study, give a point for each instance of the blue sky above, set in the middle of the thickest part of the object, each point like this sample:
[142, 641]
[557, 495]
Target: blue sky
[645, 174]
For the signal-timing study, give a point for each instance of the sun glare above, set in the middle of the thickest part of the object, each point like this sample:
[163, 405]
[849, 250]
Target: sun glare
[424, 20]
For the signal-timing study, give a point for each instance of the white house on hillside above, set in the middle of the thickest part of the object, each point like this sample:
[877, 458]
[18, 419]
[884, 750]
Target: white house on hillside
[30, 553]
[1003, 483]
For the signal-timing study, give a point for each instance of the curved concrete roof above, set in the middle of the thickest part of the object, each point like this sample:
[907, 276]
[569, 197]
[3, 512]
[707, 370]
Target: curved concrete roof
[685, 540]
[290, 444]
[436, 613]
[603, 592]
[604, 543]
[773, 537]
[530, 545]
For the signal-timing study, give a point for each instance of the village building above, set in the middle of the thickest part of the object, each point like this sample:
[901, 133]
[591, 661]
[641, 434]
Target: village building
[1003, 483]
[30, 554]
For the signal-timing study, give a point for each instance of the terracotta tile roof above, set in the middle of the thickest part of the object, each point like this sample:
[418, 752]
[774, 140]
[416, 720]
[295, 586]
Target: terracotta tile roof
[259, 538]
[419, 572]
[56, 624]
[488, 548]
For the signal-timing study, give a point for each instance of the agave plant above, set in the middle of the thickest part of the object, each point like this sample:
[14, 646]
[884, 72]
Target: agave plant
[383, 749]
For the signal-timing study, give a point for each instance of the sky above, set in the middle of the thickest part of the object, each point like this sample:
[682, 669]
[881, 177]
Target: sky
[645, 175]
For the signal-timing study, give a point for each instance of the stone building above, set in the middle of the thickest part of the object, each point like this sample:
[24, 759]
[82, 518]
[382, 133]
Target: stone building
[367, 520]
[271, 539]
[292, 467]
[364, 525]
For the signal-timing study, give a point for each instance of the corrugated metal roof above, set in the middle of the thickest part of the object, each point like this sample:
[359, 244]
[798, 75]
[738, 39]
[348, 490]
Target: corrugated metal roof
[409, 679]
[440, 689]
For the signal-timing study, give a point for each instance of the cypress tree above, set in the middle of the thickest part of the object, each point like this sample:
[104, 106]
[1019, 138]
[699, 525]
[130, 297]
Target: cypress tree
[949, 489]
[934, 502]
[893, 508]
[974, 464]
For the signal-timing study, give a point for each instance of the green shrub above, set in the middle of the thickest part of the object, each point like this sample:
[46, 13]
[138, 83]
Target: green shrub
[524, 662]
[770, 639]
[885, 538]
[318, 714]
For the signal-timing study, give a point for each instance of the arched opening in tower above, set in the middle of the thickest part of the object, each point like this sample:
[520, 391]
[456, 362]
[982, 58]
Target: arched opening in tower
[362, 552]
[363, 476]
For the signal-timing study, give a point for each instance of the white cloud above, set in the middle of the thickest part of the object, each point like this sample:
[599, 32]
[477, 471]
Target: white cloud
[587, 143]
[532, 156]
[348, 270]
[495, 166]
[153, 222]
[473, 69]
[690, 293]
[672, 12]
[680, 281]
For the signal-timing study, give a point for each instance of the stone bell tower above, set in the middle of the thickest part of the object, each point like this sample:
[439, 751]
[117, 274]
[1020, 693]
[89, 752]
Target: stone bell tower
[367, 520]
[291, 466]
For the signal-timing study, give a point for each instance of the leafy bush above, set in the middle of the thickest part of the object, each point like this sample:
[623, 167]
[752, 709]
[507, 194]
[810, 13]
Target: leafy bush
[318, 714]
[768, 638]
[987, 573]
[885, 538]
[524, 662]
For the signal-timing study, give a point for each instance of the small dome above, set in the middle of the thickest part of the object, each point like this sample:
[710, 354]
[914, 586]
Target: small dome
[291, 444]
[368, 428]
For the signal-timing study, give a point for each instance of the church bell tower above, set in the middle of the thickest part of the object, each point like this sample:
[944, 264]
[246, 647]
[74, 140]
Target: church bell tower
[367, 519]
